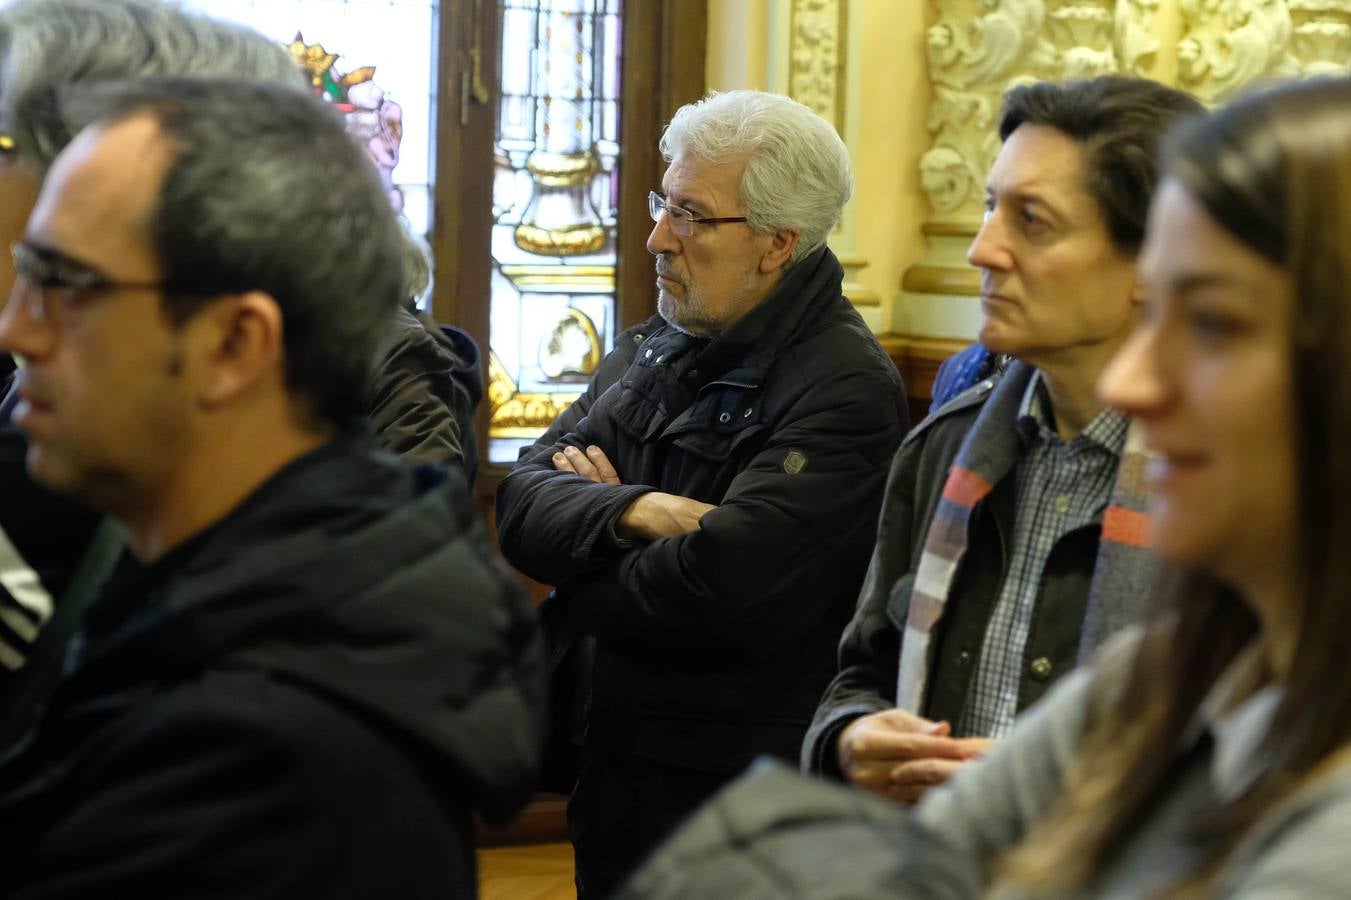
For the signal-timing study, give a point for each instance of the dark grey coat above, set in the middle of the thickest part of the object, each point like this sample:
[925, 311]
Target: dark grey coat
[714, 646]
[870, 650]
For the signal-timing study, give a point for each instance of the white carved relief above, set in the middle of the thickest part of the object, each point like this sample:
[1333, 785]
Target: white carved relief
[814, 75]
[978, 49]
[1227, 44]
[968, 51]
[1136, 44]
[1083, 36]
[1322, 36]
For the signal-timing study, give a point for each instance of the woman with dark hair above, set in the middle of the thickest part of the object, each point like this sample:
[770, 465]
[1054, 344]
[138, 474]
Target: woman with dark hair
[1208, 754]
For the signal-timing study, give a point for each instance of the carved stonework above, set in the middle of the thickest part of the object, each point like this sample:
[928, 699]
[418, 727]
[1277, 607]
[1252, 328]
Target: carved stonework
[816, 58]
[1135, 42]
[978, 49]
[1227, 44]
[1322, 36]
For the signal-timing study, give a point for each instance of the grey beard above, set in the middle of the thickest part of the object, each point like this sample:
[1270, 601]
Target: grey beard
[685, 316]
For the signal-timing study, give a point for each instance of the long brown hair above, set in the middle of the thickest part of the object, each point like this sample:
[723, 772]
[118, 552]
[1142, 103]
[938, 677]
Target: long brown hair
[1274, 170]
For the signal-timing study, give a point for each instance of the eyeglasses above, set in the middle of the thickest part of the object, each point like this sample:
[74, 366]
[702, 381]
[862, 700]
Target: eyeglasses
[682, 220]
[42, 276]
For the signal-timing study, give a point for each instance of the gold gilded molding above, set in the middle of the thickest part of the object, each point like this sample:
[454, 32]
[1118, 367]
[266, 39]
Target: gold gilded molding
[518, 415]
[567, 240]
[950, 280]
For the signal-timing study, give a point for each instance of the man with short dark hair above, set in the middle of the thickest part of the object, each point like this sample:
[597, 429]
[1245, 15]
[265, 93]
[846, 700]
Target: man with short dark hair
[419, 399]
[1011, 538]
[708, 516]
[308, 672]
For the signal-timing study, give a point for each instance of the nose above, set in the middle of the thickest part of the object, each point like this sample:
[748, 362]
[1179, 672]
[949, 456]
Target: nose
[662, 239]
[21, 333]
[990, 248]
[1134, 380]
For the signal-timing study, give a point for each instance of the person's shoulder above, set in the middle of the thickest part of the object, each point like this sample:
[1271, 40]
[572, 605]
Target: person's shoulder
[841, 348]
[1297, 849]
[955, 416]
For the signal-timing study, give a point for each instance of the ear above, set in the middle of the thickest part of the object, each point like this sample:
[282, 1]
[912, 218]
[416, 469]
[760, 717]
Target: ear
[780, 248]
[243, 333]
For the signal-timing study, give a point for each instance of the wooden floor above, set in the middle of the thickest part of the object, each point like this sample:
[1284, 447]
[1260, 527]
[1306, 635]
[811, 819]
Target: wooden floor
[534, 872]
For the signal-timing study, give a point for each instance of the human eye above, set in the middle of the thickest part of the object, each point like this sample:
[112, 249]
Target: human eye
[679, 213]
[1214, 325]
[1032, 223]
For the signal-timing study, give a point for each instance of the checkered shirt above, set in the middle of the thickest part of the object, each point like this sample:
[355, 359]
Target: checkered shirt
[1062, 486]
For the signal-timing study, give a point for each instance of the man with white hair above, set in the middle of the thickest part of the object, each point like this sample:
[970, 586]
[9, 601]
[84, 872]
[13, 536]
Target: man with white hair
[706, 508]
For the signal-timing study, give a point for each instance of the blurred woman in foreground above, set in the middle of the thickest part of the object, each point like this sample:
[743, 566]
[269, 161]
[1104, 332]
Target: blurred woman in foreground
[1214, 755]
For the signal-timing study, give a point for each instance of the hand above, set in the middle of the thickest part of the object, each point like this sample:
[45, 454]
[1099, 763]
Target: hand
[657, 515]
[592, 465]
[899, 755]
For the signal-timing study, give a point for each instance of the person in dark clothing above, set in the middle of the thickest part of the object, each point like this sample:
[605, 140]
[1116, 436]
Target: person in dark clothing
[309, 672]
[707, 518]
[426, 387]
[420, 399]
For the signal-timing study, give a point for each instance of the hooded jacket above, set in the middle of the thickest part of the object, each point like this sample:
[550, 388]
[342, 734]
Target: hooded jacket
[714, 646]
[308, 699]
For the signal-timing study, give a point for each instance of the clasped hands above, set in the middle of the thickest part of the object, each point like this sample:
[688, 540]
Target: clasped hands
[653, 515]
[899, 755]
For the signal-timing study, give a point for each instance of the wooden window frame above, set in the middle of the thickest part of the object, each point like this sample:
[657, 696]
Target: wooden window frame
[664, 45]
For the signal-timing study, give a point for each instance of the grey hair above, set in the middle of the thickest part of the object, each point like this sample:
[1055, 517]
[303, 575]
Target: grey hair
[49, 45]
[797, 173]
[267, 192]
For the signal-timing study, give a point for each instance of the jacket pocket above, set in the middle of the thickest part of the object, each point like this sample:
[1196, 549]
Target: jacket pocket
[898, 600]
[717, 446]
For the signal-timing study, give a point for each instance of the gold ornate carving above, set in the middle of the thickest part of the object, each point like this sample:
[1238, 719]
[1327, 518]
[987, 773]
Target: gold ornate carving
[1322, 36]
[1135, 42]
[563, 169]
[579, 239]
[817, 58]
[1227, 44]
[977, 49]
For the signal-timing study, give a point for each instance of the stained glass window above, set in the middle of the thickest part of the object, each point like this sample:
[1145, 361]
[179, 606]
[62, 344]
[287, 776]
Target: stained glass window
[374, 59]
[555, 206]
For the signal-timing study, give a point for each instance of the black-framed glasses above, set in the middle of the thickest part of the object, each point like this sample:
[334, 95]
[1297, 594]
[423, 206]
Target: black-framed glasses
[42, 276]
[682, 220]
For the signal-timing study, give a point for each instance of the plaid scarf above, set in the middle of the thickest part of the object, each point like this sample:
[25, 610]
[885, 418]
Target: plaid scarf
[989, 452]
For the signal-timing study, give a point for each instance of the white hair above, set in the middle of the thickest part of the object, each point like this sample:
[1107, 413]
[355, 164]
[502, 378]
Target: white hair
[797, 172]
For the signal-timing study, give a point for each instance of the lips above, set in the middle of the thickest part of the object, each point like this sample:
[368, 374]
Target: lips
[1166, 468]
[31, 402]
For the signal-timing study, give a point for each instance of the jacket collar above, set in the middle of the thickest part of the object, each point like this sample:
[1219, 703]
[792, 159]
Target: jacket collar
[744, 352]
